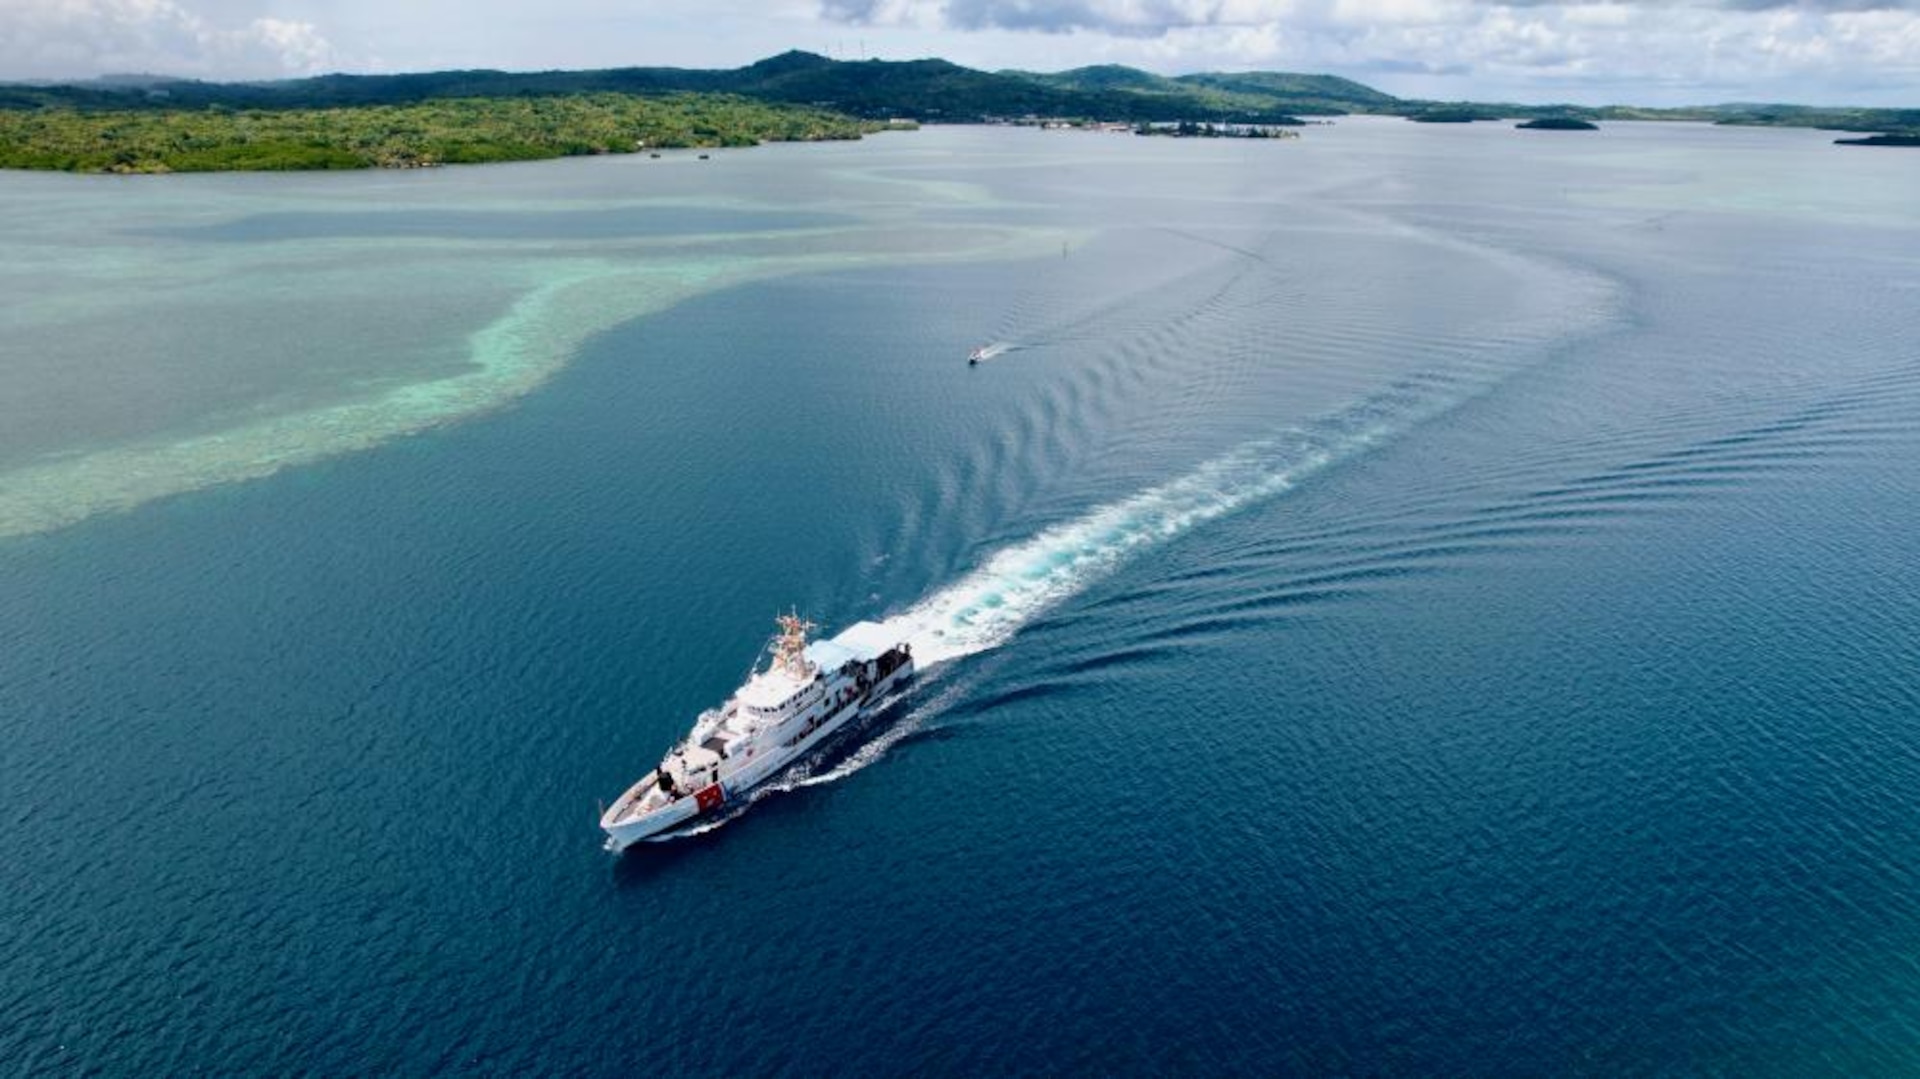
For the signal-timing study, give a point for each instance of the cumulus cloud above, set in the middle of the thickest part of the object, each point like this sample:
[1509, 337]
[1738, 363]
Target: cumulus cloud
[1714, 46]
[1155, 17]
[64, 38]
[1648, 51]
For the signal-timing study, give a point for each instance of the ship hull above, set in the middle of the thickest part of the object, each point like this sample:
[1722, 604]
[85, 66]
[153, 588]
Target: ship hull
[671, 820]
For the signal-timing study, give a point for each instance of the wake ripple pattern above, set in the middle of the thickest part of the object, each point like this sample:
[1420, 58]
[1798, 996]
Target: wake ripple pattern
[989, 604]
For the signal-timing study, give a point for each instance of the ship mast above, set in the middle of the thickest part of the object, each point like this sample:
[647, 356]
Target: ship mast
[790, 646]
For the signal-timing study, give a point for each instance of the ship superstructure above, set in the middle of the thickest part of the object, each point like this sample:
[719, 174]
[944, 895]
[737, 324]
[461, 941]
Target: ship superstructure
[806, 692]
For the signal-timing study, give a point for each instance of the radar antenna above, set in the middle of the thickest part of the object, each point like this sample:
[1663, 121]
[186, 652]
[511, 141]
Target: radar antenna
[790, 646]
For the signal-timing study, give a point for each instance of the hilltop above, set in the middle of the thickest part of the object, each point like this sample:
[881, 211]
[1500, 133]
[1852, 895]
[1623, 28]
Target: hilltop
[867, 89]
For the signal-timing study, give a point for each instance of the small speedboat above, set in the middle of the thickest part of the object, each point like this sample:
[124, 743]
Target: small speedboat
[978, 354]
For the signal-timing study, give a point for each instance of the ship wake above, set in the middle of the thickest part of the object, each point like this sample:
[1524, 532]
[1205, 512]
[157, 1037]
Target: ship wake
[991, 603]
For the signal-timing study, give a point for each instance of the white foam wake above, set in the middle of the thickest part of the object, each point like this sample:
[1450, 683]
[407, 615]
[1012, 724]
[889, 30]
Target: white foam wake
[988, 605]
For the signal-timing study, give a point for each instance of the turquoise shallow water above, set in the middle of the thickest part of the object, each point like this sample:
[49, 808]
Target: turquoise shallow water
[1413, 601]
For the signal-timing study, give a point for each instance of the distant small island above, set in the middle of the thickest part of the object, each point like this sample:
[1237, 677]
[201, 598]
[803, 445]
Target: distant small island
[1557, 123]
[1881, 140]
[1448, 116]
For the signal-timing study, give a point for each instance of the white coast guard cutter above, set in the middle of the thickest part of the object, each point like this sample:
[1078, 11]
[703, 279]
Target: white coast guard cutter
[807, 692]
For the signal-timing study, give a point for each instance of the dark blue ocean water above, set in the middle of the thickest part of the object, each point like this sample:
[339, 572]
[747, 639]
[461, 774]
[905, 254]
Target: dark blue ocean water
[1423, 603]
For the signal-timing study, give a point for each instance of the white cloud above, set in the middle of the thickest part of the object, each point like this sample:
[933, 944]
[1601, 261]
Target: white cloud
[1386, 13]
[1866, 51]
[64, 38]
[298, 45]
[1683, 51]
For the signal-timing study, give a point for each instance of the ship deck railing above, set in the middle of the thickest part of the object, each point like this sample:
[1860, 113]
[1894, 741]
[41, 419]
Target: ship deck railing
[634, 803]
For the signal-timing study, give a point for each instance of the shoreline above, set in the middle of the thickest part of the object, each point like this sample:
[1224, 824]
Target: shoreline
[423, 134]
[513, 355]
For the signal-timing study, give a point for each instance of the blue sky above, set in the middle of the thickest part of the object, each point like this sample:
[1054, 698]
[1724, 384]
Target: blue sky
[1636, 51]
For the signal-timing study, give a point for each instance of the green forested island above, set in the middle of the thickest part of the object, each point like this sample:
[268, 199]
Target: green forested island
[871, 89]
[146, 124]
[1450, 116]
[1882, 140]
[424, 133]
[1558, 123]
